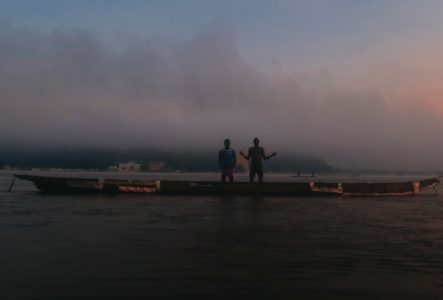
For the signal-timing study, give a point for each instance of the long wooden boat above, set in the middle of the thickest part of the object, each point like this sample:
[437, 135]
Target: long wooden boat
[52, 184]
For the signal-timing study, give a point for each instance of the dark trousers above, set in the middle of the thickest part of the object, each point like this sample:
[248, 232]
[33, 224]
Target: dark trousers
[256, 170]
[227, 173]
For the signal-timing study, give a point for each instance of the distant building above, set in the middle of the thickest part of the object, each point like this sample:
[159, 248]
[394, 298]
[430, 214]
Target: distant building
[156, 166]
[130, 166]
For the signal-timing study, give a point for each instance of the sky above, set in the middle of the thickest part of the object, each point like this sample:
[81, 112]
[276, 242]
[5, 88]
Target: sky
[357, 83]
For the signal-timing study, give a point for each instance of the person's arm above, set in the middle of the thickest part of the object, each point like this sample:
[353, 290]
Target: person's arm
[243, 154]
[268, 157]
[235, 158]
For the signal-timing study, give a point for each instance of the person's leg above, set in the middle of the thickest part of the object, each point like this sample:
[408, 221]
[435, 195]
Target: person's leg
[223, 176]
[251, 175]
[260, 175]
[230, 175]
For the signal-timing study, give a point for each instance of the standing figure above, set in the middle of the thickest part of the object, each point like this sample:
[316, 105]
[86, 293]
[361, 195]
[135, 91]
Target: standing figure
[256, 155]
[227, 161]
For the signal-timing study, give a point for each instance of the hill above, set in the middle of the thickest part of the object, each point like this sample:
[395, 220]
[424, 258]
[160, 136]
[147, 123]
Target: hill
[25, 158]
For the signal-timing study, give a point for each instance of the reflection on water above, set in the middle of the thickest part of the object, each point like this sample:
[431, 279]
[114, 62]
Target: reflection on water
[137, 246]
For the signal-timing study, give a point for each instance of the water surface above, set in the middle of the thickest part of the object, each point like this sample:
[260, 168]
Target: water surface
[145, 246]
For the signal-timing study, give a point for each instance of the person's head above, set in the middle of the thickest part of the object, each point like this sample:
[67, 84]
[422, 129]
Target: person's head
[256, 141]
[227, 143]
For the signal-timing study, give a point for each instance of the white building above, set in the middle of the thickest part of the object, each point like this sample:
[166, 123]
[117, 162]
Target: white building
[130, 166]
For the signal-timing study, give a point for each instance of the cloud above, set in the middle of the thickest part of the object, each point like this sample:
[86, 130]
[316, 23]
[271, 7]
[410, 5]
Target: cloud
[71, 88]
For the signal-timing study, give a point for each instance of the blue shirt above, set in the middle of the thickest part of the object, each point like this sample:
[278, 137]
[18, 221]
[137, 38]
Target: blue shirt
[227, 159]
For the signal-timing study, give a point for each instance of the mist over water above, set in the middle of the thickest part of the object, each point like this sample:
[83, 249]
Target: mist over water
[76, 89]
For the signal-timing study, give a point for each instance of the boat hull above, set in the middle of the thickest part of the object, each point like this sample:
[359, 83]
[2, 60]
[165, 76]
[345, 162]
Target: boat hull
[237, 188]
[49, 184]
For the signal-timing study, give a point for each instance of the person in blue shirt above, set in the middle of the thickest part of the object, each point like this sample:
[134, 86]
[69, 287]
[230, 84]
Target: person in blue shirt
[227, 160]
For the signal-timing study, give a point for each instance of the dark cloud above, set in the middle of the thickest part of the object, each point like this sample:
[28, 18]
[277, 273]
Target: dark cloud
[72, 89]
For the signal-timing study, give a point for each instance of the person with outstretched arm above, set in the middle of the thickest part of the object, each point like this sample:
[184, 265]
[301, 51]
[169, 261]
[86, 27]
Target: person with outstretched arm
[256, 155]
[227, 160]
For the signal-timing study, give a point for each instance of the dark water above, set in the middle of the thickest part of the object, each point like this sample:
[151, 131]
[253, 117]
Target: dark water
[134, 246]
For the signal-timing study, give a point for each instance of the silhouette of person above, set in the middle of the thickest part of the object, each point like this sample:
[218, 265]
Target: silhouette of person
[227, 160]
[256, 155]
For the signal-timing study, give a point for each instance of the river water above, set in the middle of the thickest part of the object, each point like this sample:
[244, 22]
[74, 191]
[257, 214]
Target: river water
[148, 247]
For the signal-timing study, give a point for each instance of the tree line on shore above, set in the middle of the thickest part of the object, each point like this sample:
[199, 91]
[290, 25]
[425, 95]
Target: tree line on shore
[100, 159]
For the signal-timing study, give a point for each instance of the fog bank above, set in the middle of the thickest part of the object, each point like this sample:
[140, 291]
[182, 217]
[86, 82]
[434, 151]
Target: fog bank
[73, 89]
